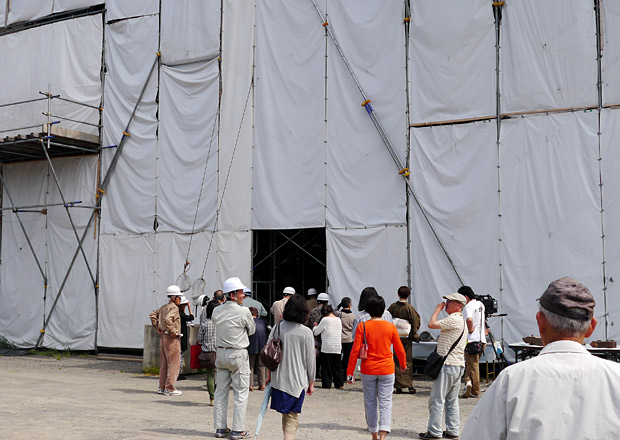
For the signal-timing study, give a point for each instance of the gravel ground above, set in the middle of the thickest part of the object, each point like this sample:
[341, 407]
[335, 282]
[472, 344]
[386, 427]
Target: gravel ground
[81, 397]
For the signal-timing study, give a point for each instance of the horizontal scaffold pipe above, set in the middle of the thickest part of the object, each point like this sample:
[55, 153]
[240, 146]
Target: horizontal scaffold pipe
[511, 115]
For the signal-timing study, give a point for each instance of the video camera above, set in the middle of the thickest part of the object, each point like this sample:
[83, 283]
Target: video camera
[490, 304]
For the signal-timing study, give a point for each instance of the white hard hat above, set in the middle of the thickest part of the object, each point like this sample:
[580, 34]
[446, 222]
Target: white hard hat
[247, 291]
[311, 291]
[201, 299]
[323, 297]
[233, 284]
[288, 291]
[173, 290]
[184, 300]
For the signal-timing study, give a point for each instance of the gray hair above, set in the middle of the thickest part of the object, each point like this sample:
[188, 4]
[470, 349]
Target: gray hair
[567, 326]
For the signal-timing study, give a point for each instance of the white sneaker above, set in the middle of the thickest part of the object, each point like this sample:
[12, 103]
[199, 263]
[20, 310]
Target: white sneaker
[467, 391]
[172, 393]
[161, 391]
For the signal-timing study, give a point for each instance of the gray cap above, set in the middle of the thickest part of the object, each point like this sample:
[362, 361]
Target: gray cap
[565, 294]
[456, 297]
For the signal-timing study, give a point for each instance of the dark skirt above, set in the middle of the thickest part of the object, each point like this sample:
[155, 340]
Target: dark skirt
[285, 403]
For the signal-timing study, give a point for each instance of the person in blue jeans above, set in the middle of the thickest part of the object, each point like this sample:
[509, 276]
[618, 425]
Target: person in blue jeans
[445, 391]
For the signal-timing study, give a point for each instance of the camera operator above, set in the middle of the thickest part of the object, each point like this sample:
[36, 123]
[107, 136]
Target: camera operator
[474, 315]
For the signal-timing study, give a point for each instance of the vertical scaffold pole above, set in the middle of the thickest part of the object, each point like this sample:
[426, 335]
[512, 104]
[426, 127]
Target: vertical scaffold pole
[599, 86]
[403, 171]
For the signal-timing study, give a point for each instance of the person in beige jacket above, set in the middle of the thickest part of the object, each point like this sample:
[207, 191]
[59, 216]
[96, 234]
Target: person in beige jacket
[167, 321]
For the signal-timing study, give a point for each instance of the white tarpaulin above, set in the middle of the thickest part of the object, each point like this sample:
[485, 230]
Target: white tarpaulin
[21, 283]
[73, 321]
[68, 5]
[356, 259]
[190, 31]
[610, 135]
[65, 56]
[454, 171]
[188, 143]
[2, 14]
[133, 287]
[237, 119]
[363, 185]
[548, 55]
[611, 51]
[452, 61]
[289, 111]
[130, 204]
[26, 10]
[118, 9]
[551, 223]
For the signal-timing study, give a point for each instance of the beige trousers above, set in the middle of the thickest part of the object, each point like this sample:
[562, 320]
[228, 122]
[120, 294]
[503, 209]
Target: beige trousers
[169, 363]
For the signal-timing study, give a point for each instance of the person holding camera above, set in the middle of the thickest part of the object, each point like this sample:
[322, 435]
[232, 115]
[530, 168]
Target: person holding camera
[476, 341]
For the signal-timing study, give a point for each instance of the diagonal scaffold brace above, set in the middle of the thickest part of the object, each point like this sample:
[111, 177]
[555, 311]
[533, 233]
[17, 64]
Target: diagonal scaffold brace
[100, 193]
[402, 169]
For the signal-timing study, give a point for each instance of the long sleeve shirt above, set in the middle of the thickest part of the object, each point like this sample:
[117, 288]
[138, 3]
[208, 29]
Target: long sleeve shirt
[380, 337]
[298, 367]
[330, 329]
[167, 319]
[563, 393]
[233, 325]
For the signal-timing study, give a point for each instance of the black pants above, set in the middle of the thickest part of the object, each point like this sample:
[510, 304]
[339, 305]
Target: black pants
[331, 370]
[346, 353]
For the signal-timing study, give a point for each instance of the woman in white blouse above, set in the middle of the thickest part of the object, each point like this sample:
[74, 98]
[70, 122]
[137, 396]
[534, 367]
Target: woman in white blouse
[330, 329]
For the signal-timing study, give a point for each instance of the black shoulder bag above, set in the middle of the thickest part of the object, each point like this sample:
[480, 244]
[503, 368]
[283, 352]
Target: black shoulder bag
[434, 362]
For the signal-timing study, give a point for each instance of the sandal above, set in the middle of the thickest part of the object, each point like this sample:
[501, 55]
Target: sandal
[238, 435]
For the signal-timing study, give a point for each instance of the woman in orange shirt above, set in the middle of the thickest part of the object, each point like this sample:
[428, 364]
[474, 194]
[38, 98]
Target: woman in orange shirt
[378, 367]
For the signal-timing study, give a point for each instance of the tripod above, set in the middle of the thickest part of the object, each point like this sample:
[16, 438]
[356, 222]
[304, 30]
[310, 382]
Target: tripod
[499, 353]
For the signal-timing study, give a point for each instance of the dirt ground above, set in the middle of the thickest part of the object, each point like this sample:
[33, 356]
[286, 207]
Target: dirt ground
[81, 397]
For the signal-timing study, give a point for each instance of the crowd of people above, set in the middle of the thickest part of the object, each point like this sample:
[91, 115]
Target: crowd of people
[334, 342]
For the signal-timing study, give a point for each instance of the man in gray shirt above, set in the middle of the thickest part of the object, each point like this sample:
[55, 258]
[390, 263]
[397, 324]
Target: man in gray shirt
[251, 302]
[233, 325]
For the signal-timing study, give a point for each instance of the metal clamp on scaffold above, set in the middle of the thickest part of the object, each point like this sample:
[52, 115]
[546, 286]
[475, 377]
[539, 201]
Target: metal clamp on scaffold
[407, 19]
[498, 3]
[405, 172]
[325, 23]
[99, 192]
[126, 133]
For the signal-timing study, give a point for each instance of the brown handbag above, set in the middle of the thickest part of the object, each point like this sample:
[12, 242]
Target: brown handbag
[207, 359]
[271, 354]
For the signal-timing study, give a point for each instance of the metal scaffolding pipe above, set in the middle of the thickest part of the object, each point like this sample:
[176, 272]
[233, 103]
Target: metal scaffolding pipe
[104, 184]
[62, 197]
[34, 254]
[386, 140]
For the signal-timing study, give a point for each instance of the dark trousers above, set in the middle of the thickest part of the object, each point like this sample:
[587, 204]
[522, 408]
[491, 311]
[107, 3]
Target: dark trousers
[346, 353]
[331, 370]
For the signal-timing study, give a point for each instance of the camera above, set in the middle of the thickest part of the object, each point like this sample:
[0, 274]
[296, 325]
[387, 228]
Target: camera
[490, 304]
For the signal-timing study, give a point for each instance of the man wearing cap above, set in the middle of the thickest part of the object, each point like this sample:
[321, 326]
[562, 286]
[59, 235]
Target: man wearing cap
[278, 307]
[251, 302]
[168, 324]
[564, 392]
[445, 391]
[476, 339]
[312, 303]
[233, 326]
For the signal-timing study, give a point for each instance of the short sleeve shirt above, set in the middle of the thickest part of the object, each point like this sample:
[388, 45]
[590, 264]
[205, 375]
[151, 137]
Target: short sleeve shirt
[451, 328]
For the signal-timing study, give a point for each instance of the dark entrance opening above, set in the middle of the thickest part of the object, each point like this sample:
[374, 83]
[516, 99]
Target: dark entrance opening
[288, 257]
